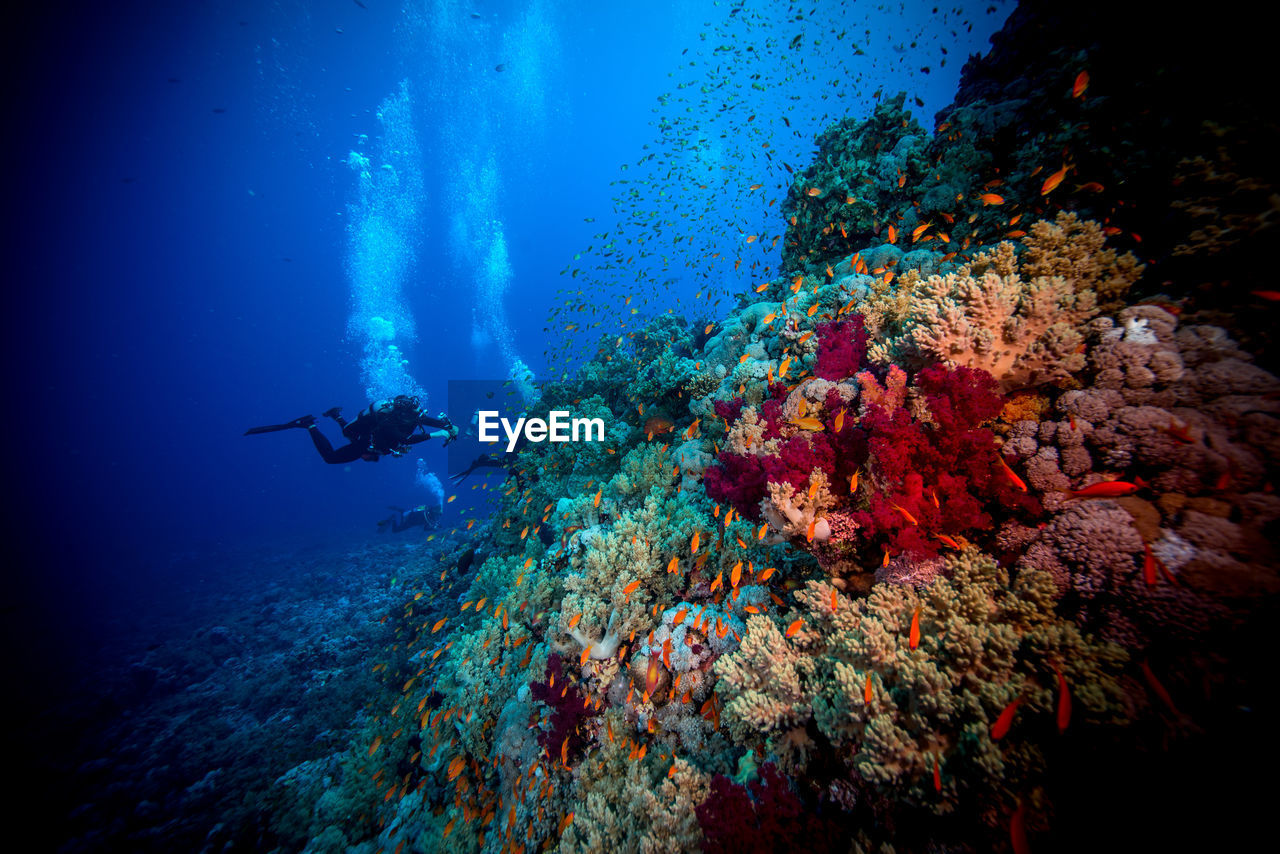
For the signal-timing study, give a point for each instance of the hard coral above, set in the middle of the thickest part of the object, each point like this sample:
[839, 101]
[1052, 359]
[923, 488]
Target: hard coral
[893, 709]
[1023, 333]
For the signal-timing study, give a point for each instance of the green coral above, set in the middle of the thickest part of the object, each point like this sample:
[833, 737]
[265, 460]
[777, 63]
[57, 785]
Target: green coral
[638, 547]
[861, 168]
[985, 640]
[645, 806]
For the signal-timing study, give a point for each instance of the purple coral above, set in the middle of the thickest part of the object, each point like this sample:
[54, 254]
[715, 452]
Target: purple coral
[765, 815]
[567, 710]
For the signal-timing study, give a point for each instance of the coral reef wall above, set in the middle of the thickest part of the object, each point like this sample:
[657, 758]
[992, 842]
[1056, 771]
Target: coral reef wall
[957, 536]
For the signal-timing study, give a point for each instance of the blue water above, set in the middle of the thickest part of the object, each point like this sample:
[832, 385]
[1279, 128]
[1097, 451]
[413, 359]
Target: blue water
[179, 245]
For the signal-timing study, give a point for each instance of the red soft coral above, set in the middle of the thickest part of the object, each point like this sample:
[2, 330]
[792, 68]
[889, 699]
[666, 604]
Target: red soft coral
[943, 475]
[739, 481]
[841, 348]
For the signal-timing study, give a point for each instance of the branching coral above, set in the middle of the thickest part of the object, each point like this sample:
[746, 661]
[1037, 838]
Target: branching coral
[985, 639]
[768, 684]
[841, 348]
[1022, 333]
[636, 805]
[1018, 318]
[1075, 250]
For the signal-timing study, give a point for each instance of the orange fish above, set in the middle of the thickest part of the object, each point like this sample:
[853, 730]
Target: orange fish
[937, 774]
[866, 689]
[1270, 296]
[1148, 566]
[735, 575]
[652, 675]
[573, 621]
[913, 639]
[839, 422]
[1053, 181]
[893, 234]
[834, 601]
[991, 199]
[794, 627]
[948, 541]
[1002, 724]
[813, 191]
[1157, 688]
[1090, 187]
[1064, 702]
[911, 520]
[693, 543]
[586, 653]
[373, 748]
[439, 624]
[1018, 830]
[657, 425]
[1081, 84]
[631, 588]
[1106, 489]
[1017, 482]
[1180, 432]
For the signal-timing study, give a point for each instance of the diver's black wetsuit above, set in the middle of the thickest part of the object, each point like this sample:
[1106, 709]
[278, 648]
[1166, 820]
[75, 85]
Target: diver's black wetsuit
[403, 520]
[373, 434]
[386, 427]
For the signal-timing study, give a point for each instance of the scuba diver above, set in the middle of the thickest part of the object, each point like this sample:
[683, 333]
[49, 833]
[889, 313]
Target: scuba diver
[386, 427]
[484, 461]
[400, 520]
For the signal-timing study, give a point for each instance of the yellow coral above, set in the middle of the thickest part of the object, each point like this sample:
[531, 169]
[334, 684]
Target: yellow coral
[1076, 250]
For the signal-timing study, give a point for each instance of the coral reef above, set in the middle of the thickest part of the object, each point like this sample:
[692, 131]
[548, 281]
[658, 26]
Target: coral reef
[952, 503]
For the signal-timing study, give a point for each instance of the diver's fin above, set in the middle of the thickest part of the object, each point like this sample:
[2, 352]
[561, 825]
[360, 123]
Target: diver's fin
[270, 428]
[304, 421]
